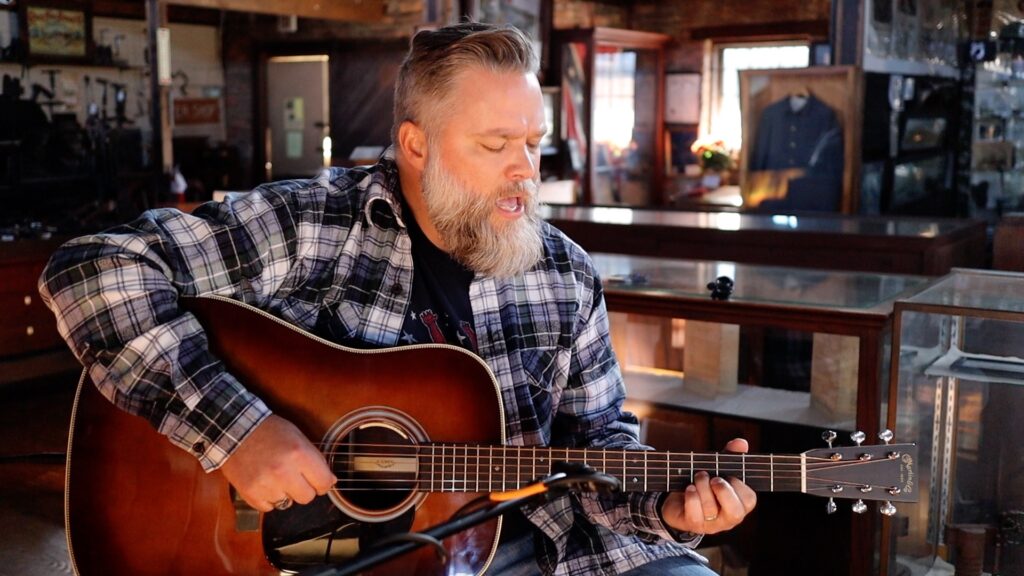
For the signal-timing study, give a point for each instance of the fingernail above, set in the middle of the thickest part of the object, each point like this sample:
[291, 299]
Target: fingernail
[691, 488]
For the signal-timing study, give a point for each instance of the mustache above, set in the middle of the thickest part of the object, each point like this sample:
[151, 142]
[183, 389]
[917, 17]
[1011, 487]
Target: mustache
[529, 188]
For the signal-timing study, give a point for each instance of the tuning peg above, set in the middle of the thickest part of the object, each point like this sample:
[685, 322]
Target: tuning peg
[828, 436]
[859, 507]
[887, 509]
[858, 437]
[830, 506]
[885, 435]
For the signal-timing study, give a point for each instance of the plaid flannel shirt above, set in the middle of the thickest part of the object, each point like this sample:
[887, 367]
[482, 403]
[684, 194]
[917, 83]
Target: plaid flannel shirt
[332, 256]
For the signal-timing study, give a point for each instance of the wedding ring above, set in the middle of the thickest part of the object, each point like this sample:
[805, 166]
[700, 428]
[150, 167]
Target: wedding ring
[711, 518]
[283, 504]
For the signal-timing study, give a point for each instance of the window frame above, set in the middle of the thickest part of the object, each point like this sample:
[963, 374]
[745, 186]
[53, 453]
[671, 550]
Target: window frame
[713, 71]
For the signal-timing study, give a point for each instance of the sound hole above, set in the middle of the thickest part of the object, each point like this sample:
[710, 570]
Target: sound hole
[373, 453]
[376, 466]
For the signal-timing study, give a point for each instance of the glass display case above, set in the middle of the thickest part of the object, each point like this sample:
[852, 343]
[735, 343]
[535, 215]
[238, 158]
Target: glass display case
[778, 357]
[958, 391]
[612, 114]
[651, 300]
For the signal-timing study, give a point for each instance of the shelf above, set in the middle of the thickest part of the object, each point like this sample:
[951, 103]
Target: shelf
[124, 67]
[754, 402]
[908, 67]
[978, 367]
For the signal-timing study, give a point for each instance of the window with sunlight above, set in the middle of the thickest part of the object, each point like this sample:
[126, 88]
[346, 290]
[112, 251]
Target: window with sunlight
[725, 120]
[614, 98]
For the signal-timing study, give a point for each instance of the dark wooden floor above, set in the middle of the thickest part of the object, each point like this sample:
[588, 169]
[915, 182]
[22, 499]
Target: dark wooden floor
[34, 419]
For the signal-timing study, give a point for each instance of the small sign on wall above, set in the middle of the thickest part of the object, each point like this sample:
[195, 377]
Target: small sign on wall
[294, 113]
[682, 98]
[189, 111]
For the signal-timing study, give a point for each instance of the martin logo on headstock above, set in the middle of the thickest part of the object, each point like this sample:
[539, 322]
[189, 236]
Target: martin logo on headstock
[907, 474]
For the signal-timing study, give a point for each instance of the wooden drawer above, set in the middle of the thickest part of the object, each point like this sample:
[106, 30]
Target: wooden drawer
[26, 326]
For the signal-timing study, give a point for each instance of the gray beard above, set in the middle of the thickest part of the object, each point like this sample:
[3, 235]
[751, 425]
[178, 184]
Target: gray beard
[462, 217]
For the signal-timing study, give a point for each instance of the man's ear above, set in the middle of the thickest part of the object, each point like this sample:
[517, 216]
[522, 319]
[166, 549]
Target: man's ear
[412, 142]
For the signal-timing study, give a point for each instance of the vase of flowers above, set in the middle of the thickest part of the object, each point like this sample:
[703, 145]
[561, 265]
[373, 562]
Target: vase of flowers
[714, 159]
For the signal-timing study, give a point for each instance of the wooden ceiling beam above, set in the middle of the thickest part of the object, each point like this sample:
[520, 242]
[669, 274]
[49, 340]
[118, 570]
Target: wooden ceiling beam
[345, 10]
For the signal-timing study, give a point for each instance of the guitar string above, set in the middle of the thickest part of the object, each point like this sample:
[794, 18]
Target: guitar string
[557, 449]
[418, 479]
[471, 476]
[468, 485]
[406, 450]
[509, 473]
[594, 456]
[478, 459]
[655, 470]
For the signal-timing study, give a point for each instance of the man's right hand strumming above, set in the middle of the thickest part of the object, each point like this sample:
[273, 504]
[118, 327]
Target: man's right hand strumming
[276, 465]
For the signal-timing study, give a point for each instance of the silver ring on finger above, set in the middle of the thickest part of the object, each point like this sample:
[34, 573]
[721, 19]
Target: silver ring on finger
[284, 503]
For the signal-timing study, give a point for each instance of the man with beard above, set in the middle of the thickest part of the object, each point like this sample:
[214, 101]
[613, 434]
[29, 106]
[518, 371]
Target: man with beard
[437, 242]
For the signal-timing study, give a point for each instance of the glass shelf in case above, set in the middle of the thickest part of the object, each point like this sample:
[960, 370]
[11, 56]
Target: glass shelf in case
[958, 392]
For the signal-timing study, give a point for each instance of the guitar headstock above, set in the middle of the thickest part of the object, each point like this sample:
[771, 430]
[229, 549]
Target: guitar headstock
[886, 472]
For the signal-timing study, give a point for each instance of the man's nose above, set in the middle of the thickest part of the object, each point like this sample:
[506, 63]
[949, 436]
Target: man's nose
[524, 165]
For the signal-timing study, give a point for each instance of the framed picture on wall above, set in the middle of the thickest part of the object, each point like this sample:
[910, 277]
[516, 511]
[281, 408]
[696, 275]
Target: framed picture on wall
[57, 31]
[682, 98]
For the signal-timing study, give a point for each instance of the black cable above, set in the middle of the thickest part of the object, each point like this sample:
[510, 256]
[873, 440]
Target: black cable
[416, 537]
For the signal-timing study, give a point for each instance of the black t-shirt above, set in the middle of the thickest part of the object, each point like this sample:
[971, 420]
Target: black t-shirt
[439, 312]
[439, 309]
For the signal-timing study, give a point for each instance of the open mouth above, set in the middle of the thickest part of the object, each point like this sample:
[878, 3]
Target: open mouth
[511, 205]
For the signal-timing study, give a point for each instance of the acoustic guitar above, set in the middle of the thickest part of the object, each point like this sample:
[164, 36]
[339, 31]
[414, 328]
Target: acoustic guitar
[413, 434]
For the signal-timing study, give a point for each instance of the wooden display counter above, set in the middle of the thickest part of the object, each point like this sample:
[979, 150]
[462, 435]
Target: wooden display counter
[835, 242]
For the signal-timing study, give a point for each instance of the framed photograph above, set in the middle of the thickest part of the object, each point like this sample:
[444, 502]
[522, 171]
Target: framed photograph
[57, 31]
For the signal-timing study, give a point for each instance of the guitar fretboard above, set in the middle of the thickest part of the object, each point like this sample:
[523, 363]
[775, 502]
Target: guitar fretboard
[473, 468]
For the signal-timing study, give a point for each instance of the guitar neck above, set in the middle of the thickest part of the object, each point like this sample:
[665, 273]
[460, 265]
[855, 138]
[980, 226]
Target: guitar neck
[471, 468]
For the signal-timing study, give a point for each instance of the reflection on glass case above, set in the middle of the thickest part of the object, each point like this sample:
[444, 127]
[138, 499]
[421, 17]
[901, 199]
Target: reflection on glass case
[958, 391]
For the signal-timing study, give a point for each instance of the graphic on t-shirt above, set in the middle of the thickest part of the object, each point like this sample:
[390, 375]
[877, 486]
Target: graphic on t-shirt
[429, 319]
[438, 328]
[467, 329]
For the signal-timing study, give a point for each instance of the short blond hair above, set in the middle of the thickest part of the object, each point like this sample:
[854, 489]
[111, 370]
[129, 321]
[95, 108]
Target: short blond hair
[437, 56]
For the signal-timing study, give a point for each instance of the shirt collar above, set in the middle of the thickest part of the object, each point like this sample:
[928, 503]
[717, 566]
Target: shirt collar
[383, 189]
